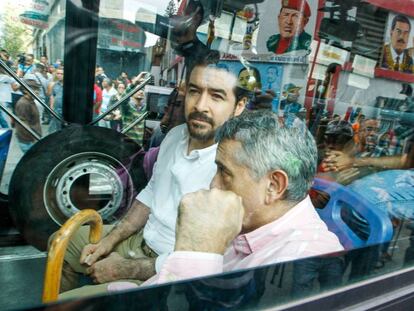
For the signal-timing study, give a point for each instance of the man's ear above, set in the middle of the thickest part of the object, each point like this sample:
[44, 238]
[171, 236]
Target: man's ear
[278, 182]
[241, 104]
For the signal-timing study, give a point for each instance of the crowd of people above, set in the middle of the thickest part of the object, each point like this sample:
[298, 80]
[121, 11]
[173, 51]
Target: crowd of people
[46, 81]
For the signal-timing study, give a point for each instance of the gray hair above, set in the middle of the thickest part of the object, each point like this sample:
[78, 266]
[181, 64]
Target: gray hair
[268, 145]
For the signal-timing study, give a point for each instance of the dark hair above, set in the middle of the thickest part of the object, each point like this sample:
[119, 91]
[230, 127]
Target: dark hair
[211, 59]
[195, 6]
[401, 19]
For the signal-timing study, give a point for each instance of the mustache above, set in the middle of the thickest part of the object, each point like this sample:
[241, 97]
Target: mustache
[196, 115]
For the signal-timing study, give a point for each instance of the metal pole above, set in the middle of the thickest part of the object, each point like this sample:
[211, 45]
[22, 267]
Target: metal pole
[28, 89]
[80, 53]
[122, 100]
[27, 128]
[130, 126]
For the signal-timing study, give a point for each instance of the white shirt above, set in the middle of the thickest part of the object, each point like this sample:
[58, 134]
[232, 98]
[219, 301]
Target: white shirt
[5, 88]
[106, 97]
[175, 174]
[395, 55]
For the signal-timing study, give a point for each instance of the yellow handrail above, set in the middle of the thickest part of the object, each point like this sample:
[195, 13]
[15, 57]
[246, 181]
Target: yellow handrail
[58, 247]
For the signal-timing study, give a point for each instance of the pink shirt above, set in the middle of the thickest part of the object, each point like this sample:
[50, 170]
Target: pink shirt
[297, 234]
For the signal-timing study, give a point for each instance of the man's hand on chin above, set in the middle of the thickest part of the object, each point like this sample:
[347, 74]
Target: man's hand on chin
[208, 221]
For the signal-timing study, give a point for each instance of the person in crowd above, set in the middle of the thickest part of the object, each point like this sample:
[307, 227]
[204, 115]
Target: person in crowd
[124, 78]
[100, 76]
[28, 113]
[338, 136]
[26, 66]
[257, 210]
[56, 100]
[130, 112]
[5, 57]
[363, 160]
[114, 117]
[107, 92]
[136, 247]
[97, 100]
[44, 60]
[395, 54]
[262, 100]
[51, 70]
[356, 126]
[292, 20]
[7, 86]
[41, 75]
[58, 63]
[173, 115]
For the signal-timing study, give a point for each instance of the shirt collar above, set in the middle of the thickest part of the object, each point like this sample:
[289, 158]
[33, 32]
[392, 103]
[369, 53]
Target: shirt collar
[253, 241]
[201, 154]
[394, 55]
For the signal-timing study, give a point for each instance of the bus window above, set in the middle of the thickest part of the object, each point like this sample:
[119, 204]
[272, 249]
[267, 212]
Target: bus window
[134, 95]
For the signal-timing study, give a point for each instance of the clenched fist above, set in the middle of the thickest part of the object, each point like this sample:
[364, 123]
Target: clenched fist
[208, 220]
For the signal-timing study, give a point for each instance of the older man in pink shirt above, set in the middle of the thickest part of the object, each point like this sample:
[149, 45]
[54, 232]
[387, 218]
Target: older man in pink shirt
[257, 211]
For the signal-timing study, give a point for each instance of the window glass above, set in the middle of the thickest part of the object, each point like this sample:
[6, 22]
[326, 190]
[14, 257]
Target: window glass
[32, 43]
[338, 74]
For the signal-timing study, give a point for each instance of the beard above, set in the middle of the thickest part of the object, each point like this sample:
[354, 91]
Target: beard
[201, 132]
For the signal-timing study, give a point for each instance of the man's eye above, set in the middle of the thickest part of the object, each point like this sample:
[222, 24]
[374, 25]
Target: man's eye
[193, 91]
[217, 96]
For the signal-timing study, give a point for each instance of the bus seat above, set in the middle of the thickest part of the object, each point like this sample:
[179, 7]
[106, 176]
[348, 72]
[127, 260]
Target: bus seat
[379, 224]
[59, 245]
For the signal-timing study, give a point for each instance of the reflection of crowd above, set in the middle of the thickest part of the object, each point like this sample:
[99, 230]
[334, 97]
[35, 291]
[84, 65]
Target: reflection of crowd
[41, 77]
[46, 80]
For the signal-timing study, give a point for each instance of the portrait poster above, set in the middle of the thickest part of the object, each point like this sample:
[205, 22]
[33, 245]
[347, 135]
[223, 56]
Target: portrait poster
[398, 48]
[285, 30]
[267, 75]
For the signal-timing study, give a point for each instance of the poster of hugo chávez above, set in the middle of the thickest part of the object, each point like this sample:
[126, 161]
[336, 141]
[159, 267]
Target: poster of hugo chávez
[264, 80]
[286, 29]
[398, 50]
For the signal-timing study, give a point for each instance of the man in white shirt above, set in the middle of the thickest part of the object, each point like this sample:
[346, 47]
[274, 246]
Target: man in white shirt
[107, 92]
[185, 164]
[258, 210]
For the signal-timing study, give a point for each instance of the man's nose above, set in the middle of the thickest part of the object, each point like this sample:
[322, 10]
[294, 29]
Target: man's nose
[202, 102]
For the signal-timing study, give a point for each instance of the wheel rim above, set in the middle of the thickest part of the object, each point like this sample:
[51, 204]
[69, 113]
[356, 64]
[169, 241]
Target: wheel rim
[107, 181]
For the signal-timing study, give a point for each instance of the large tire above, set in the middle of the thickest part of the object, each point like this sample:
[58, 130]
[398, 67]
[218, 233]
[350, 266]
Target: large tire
[53, 179]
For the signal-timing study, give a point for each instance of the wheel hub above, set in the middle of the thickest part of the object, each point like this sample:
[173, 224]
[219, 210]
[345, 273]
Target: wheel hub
[87, 180]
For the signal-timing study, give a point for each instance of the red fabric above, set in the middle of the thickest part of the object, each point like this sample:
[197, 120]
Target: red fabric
[299, 5]
[400, 6]
[282, 46]
[97, 98]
